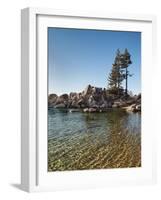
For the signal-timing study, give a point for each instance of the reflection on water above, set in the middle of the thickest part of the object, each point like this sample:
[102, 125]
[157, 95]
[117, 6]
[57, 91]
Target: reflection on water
[93, 140]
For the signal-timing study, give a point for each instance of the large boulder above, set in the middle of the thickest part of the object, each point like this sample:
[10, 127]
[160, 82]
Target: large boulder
[90, 99]
[105, 105]
[64, 96]
[81, 102]
[109, 104]
[72, 95]
[62, 99]
[96, 98]
[52, 99]
[133, 108]
[115, 106]
[138, 96]
[87, 90]
[79, 95]
[74, 104]
[138, 107]
[85, 110]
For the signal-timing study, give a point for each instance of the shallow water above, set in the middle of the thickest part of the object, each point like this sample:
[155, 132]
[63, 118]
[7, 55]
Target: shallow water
[93, 140]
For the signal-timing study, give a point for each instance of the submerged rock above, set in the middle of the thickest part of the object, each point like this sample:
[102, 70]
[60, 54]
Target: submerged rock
[133, 108]
[61, 105]
[85, 110]
[92, 110]
[74, 110]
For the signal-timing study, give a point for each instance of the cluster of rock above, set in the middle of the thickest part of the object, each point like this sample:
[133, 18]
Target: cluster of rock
[135, 105]
[94, 99]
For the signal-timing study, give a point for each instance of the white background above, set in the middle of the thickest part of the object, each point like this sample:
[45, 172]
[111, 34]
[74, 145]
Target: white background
[10, 98]
[86, 178]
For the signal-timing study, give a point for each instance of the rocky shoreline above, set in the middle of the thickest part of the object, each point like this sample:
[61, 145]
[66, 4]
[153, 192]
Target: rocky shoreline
[94, 99]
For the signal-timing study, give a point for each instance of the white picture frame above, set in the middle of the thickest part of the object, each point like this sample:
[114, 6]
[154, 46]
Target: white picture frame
[34, 22]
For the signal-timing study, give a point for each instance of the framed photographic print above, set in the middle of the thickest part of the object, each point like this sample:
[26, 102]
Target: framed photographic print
[86, 110]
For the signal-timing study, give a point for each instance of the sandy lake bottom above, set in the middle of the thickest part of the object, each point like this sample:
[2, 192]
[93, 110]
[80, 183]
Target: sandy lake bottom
[78, 140]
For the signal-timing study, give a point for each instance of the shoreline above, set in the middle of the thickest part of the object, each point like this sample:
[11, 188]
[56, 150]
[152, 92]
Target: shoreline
[94, 99]
[99, 110]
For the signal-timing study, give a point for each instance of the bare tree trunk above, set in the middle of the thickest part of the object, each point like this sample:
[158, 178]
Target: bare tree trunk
[126, 82]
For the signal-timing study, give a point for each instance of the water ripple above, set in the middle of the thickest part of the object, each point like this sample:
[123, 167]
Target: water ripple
[93, 141]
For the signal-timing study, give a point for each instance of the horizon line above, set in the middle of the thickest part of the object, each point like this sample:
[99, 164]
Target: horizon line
[52, 92]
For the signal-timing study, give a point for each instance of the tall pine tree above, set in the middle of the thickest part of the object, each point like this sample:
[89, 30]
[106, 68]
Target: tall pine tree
[116, 76]
[125, 61]
[119, 72]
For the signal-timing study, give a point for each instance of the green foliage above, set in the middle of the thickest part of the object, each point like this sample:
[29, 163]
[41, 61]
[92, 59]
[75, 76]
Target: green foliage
[119, 72]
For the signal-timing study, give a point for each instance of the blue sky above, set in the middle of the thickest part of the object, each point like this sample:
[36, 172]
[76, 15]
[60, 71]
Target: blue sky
[78, 57]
